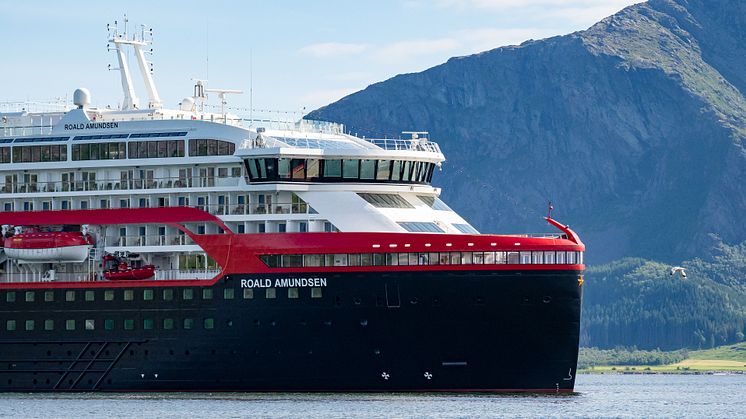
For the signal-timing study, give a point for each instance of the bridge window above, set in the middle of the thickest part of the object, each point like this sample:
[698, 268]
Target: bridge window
[335, 170]
[466, 228]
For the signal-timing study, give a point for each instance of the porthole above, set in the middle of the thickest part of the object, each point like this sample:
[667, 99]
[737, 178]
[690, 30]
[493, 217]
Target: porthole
[357, 301]
[414, 301]
[546, 300]
[363, 322]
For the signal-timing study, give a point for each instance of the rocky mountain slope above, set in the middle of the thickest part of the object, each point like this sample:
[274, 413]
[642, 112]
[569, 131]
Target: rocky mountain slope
[634, 128]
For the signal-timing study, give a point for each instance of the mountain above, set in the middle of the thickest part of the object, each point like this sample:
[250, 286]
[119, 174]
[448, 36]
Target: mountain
[634, 129]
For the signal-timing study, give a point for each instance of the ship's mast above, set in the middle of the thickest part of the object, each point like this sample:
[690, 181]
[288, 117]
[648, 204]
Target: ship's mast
[121, 41]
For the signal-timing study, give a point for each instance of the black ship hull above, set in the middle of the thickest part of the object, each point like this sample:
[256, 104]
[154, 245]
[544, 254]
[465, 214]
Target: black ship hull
[461, 330]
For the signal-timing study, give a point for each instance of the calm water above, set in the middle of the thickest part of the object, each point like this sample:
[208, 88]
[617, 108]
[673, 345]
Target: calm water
[598, 396]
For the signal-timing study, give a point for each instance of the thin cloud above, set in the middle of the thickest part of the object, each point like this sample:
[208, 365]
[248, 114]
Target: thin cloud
[333, 49]
[316, 98]
[403, 50]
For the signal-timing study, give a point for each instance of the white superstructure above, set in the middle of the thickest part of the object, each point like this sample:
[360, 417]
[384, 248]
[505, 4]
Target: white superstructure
[256, 176]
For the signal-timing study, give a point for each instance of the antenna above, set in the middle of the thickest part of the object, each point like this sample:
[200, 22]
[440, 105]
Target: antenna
[550, 207]
[121, 41]
[251, 84]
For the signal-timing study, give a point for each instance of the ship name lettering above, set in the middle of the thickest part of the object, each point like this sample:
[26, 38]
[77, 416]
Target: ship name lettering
[283, 282]
[92, 125]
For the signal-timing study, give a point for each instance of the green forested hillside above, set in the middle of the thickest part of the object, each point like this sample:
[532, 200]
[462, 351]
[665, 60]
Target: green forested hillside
[636, 302]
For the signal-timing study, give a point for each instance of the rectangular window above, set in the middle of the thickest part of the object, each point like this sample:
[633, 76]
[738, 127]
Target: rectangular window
[108, 324]
[316, 293]
[293, 292]
[537, 258]
[207, 294]
[129, 324]
[514, 258]
[351, 169]
[10, 325]
[525, 258]
[187, 294]
[109, 295]
[48, 296]
[420, 227]
[384, 170]
[30, 325]
[560, 257]
[69, 324]
[90, 324]
[501, 257]
[147, 295]
[129, 295]
[489, 258]
[209, 323]
[168, 324]
[90, 295]
[188, 324]
[10, 297]
[147, 324]
[385, 200]
[70, 295]
[332, 168]
[229, 293]
[49, 324]
[367, 169]
[549, 258]
[168, 295]
[270, 293]
[30, 296]
[248, 293]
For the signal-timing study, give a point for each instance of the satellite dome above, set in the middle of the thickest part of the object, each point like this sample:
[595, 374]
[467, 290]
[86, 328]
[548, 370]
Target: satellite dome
[82, 97]
[187, 104]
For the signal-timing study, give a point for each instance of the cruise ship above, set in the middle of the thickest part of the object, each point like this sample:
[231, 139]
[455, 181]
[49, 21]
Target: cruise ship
[155, 249]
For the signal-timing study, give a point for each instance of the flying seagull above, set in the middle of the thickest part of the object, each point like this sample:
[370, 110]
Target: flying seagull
[678, 270]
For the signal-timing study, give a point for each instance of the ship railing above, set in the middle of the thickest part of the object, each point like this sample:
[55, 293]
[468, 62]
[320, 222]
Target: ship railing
[95, 276]
[119, 184]
[421, 144]
[214, 209]
[538, 235]
[150, 240]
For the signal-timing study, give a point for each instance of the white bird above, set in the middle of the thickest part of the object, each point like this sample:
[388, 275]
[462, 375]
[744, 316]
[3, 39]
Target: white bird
[678, 270]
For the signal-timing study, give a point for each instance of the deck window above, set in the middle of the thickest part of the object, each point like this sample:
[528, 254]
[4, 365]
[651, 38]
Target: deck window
[70, 324]
[70, 295]
[30, 296]
[248, 293]
[10, 325]
[30, 325]
[49, 324]
[229, 293]
[209, 323]
[129, 324]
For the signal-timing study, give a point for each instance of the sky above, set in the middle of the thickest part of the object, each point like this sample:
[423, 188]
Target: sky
[294, 56]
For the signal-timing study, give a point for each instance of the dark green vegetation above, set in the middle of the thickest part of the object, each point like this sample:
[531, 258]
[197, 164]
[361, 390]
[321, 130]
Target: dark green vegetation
[592, 357]
[638, 302]
[635, 130]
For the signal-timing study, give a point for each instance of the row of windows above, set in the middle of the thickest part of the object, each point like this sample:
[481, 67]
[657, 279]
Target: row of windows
[108, 324]
[272, 169]
[167, 294]
[155, 149]
[200, 147]
[94, 137]
[423, 258]
[39, 153]
[116, 150]
[99, 151]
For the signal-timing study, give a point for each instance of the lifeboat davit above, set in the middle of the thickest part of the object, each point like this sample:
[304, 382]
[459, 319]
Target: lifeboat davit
[119, 269]
[49, 247]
